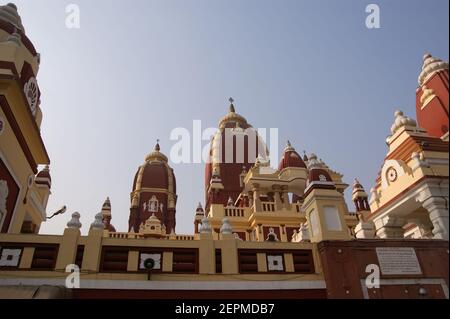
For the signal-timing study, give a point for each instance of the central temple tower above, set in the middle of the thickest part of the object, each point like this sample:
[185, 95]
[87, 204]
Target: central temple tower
[234, 149]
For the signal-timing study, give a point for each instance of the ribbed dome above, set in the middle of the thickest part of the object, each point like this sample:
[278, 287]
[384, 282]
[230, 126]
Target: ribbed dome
[9, 14]
[156, 155]
[430, 66]
[232, 119]
[401, 120]
[291, 158]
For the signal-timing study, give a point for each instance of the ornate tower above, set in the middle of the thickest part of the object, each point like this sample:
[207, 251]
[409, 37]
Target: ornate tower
[432, 97]
[154, 192]
[199, 215]
[359, 197]
[23, 195]
[324, 205]
[233, 151]
[106, 213]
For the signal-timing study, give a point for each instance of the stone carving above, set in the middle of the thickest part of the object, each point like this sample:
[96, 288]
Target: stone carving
[31, 92]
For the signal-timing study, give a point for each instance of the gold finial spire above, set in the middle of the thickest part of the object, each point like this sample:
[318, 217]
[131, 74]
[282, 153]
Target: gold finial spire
[157, 148]
[232, 110]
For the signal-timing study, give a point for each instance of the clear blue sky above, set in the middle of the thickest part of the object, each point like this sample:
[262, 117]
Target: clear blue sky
[137, 69]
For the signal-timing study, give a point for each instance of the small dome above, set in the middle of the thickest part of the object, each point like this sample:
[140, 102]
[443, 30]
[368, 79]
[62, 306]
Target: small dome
[430, 66]
[8, 13]
[358, 190]
[106, 207]
[199, 208]
[319, 175]
[232, 119]
[401, 120]
[291, 158]
[43, 177]
[156, 155]
[106, 213]
[155, 172]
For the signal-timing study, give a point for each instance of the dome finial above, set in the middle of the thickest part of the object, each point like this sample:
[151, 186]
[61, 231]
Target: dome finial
[157, 148]
[231, 100]
[288, 146]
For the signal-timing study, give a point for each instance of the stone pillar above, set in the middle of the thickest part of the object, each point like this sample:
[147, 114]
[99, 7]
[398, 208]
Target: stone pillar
[92, 250]
[229, 254]
[389, 227]
[286, 203]
[259, 233]
[207, 254]
[436, 207]
[277, 198]
[365, 230]
[256, 200]
[68, 248]
[283, 235]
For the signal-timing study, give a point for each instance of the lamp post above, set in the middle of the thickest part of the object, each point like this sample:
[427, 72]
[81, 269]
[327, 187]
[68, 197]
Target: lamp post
[60, 211]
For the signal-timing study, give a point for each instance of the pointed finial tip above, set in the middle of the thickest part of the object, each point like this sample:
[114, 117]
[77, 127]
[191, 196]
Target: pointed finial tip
[232, 110]
[157, 148]
[426, 56]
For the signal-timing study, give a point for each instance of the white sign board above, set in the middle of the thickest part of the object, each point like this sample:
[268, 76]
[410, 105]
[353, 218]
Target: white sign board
[398, 261]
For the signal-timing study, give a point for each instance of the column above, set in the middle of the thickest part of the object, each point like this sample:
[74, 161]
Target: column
[277, 198]
[436, 207]
[389, 227]
[256, 199]
[286, 203]
[92, 250]
[68, 248]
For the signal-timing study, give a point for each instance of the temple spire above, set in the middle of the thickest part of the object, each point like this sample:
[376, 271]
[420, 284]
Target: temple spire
[232, 110]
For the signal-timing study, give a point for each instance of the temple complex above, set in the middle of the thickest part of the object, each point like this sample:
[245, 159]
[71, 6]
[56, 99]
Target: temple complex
[261, 232]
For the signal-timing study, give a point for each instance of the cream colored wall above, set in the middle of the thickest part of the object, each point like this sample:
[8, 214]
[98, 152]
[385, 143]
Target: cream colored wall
[206, 246]
[316, 201]
[391, 190]
[14, 158]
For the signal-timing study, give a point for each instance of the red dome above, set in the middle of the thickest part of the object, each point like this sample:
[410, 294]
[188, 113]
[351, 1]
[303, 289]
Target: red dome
[154, 192]
[154, 175]
[319, 175]
[291, 158]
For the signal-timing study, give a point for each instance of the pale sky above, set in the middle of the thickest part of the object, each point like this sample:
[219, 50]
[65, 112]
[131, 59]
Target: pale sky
[135, 70]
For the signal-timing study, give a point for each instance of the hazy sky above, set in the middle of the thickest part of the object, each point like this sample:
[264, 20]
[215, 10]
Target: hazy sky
[135, 70]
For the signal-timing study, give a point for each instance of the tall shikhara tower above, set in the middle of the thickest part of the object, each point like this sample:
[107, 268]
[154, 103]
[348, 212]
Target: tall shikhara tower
[234, 150]
[432, 97]
[154, 193]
